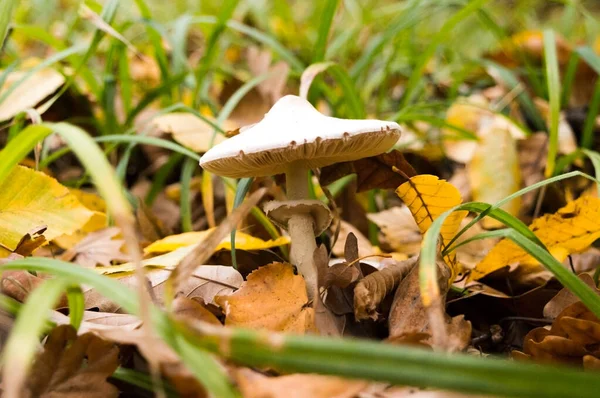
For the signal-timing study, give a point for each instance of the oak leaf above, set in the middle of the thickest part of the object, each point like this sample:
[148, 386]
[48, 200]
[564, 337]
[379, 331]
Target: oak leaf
[73, 366]
[572, 229]
[30, 198]
[97, 248]
[272, 298]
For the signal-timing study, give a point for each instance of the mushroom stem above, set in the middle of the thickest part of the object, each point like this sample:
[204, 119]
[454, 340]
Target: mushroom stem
[301, 230]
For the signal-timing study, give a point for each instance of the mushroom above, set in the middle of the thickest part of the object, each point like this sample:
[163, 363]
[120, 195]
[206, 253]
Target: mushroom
[294, 138]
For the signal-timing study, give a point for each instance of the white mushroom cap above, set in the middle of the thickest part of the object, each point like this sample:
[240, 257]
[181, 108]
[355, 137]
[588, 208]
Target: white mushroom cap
[294, 132]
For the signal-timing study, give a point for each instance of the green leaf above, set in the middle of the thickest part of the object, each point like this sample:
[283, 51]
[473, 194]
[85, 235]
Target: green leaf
[553, 82]
[326, 19]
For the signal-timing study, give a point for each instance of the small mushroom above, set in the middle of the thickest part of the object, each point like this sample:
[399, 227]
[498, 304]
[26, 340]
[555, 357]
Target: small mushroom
[294, 138]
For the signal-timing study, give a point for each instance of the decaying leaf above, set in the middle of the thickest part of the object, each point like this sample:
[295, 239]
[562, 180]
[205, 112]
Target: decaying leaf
[272, 298]
[28, 243]
[18, 285]
[571, 229]
[191, 131]
[399, 229]
[494, 171]
[428, 197]
[408, 315]
[73, 366]
[373, 172]
[97, 248]
[370, 291]
[256, 385]
[565, 298]
[30, 198]
[30, 92]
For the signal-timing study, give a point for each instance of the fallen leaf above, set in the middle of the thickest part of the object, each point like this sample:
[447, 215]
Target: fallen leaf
[571, 229]
[150, 226]
[370, 291]
[72, 365]
[255, 385]
[272, 298]
[191, 131]
[259, 63]
[373, 172]
[30, 92]
[185, 308]
[427, 197]
[399, 229]
[494, 171]
[242, 242]
[30, 198]
[97, 248]
[31, 241]
[565, 298]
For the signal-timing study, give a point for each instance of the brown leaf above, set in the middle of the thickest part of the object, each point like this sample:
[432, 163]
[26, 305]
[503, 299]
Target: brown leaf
[408, 314]
[72, 366]
[18, 285]
[272, 298]
[370, 291]
[186, 308]
[256, 385]
[151, 227]
[372, 172]
[31, 241]
[565, 298]
[97, 248]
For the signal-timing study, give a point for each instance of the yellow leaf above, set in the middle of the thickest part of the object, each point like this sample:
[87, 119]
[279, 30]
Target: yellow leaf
[242, 242]
[571, 229]
[97, 222]
[272, 298]
[29, 199]
[191, 131]
[30, 92]
[179, 246]
[427, 197]
[494, 171]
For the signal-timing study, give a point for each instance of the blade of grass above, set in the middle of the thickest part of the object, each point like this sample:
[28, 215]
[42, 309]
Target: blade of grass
[442, 35]
[351, 95]
[211, 49]
[22, 342]
[76, 302]
[393, 364]
[6, 10]
[568, 79]
[343, 357]
[326, 19]
[553, 82]
[154, 141]
[210, 373]
[185, 202]
[155, 38]
[587, 136]
[241, 191]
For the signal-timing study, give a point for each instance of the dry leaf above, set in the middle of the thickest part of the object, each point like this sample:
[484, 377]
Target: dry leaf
[256, 385]
[31, 241]
[428, 197]
[565, 298]
[185, 308]
[73, 366]
[399, 229]
[97, 248]
[370, 291]
[272, 298]
[372, 172]
[30, 198]
[408, 315]
[30, 92]
[571, 229]
[494, 171]
[191, 131]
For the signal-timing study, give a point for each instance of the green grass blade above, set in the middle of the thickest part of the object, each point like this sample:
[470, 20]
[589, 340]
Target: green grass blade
[587, 136]
[22, 343]
[401, 365]
[590, 57]
[351, 95]
[211, 49]
[553, 82]
[442, 35]
[569, 79]
[154, 141]
[241, 191]
[326, 18]
[512, 83]
[6, 10]
[76, 302]
[185, 199]
[16, 150]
